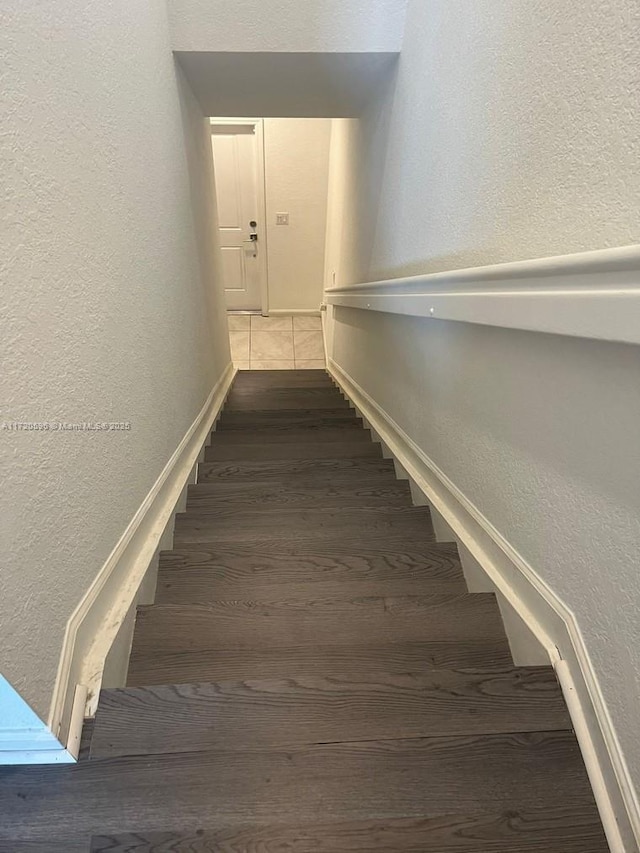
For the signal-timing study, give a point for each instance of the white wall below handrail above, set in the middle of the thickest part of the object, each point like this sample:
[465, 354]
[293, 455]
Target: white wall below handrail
[588, 295]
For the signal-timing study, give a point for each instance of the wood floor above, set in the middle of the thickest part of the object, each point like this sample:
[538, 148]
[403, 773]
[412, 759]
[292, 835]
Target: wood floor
[314, 676]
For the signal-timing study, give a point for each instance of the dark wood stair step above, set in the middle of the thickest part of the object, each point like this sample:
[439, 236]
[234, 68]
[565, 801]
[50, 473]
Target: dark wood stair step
[292, 400]
[285, 417]
[316, 577]
[333, 470]
[293, 436]
[342, 482]
[197, 588]
[227, 572]
[566, 830]
[266, 426]
[346, 448]
[289, 712]
[284, 519]
[528, 777]
[211, 495]
[199, 537]
[297, 528]
[284, 389]
[251, 624]
[148, 667]
[273, 391]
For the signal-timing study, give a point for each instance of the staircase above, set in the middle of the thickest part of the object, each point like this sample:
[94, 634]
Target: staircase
[314, 675]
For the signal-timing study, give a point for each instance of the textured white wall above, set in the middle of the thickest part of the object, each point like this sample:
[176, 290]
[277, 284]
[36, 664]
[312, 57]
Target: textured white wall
[514, 134]
[108, 309]
[296, 177]
[287, 25]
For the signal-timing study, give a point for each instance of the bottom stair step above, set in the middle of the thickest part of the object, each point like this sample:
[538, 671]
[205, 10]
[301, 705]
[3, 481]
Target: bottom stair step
[558, 831]
[520, 781]
[286, 712]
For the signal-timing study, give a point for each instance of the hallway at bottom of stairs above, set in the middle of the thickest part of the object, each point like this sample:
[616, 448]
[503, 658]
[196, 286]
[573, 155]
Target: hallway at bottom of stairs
[314, 676]
[283, 342]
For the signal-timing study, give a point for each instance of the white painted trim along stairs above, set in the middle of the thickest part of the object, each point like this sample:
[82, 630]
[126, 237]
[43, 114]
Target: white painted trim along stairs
[95, 622]
[551, 621]
[587, 295]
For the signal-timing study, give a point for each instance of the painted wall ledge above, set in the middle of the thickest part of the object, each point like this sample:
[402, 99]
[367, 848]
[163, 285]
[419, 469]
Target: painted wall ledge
[586, 295]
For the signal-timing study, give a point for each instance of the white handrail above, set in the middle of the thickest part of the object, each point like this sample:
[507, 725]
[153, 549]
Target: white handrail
[588, 295]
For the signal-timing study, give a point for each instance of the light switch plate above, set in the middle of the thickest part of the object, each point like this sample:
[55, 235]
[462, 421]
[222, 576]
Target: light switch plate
[282, 218]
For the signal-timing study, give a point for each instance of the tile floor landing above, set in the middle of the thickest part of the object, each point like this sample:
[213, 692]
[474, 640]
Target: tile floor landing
[284, 342]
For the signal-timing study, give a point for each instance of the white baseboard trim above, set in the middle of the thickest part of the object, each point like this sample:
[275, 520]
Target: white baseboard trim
[299, 312]
[96, 620]
[550, 620]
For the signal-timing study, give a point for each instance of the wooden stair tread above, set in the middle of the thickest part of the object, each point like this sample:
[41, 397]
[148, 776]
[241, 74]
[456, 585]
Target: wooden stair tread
[274, 391]
[196, 588]
[149, 667]
[292, 436]
[232, 570]
[247, 403]
[311, 709]
[283, 385]
[267, 396]
[332, 470]
[276, 494]
[311, 421]
[291, 518]
[349, 448]
[246, 624]
[566, 830]
[291, 530]
[525, 775]
[279, 416]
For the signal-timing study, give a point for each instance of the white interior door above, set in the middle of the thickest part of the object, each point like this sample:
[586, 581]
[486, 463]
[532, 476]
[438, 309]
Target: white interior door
[241, 231]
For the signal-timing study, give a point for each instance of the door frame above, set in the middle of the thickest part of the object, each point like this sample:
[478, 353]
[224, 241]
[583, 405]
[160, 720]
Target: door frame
[263, 260]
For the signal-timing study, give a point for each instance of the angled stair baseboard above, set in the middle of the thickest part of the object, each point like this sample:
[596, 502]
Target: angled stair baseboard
[550, 620]
[93, 626]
